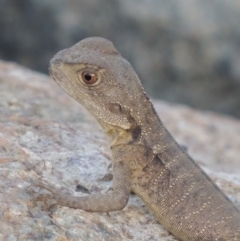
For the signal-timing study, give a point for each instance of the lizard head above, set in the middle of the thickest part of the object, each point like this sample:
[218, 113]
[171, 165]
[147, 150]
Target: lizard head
[96, 75]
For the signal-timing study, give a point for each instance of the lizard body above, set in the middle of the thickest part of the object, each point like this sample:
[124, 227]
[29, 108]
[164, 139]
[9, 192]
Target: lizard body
[146, 158]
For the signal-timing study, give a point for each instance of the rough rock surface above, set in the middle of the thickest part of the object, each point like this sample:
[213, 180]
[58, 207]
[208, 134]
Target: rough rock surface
[185, 51]
[44, 134]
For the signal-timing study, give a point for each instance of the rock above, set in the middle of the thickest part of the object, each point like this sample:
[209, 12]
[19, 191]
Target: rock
[46, 135]
[184, 51]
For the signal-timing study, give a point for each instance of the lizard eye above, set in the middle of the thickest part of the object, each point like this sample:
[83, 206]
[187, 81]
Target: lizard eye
[89, 78]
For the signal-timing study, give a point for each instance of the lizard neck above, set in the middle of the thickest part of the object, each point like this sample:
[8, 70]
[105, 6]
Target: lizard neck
[152, 129]
[147, 129]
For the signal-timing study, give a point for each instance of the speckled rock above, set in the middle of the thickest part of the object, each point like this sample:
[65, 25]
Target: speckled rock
[44, 134]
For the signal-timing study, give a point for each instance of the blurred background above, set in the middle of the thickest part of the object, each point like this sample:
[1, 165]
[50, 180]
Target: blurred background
[184, 51]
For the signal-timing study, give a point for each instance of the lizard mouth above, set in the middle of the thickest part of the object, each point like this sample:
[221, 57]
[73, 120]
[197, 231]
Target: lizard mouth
[58, 75]
[54, 64]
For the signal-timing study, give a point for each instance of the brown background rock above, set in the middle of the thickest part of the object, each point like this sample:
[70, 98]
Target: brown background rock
[44, 134]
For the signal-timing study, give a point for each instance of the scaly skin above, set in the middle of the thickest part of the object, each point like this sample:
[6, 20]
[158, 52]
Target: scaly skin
[146, 158]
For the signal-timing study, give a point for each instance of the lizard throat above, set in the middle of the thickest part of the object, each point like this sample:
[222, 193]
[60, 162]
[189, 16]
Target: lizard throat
[118, 135]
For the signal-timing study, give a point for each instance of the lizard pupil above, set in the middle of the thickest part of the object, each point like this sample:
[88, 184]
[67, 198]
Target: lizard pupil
[88, 77]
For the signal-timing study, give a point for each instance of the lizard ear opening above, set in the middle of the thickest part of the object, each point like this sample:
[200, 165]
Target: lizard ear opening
[115, 108]
[89, 77]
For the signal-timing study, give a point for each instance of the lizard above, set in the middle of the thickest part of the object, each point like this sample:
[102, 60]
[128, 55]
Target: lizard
[146, 159]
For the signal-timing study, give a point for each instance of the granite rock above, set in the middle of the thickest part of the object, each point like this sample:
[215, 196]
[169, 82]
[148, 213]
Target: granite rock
[46, 135]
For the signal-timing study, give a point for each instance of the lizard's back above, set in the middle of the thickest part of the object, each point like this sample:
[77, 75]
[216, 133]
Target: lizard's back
[185, 200]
